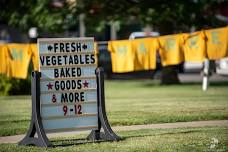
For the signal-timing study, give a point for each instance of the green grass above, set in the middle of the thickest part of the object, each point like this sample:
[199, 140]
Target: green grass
[160, 140]
[134, 102]
[144, 102]
[15, 114]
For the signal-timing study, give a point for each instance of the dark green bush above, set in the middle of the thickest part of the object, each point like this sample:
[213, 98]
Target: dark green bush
[12, 86]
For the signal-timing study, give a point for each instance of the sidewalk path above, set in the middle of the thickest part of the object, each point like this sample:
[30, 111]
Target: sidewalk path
[17, 138]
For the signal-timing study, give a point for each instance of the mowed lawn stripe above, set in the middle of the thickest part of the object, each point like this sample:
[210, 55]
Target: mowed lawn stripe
[133, 103]
[160, 140]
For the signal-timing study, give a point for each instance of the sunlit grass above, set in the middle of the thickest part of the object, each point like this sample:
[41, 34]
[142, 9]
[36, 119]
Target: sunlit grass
[134, 102]
[182, 139]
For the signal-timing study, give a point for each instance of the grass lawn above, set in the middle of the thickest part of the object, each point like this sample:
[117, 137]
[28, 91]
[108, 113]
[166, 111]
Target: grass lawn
[182, 139]
[134, 102]
[146, 102]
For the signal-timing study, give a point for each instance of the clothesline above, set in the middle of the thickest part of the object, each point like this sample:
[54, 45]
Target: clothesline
[102, 42]
[130, 55]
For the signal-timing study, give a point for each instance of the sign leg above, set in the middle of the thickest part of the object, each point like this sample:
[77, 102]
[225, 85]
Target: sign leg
[36, 126]
[108, 134]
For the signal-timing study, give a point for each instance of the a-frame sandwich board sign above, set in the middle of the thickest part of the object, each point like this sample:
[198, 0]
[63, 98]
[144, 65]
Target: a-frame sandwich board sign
[68, 92]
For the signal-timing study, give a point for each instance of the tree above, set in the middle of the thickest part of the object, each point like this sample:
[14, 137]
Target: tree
[44, 14]
[180, 15]
[60, 15]
[167, 16]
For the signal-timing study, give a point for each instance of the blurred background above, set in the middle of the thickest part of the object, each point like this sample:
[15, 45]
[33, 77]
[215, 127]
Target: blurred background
[26, 20]
[21, 21]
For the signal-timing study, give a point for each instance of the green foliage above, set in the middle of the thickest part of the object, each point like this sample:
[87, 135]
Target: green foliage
[12, 86]
[39, 13]
[15, 86]
[5, 85]
[179, 14]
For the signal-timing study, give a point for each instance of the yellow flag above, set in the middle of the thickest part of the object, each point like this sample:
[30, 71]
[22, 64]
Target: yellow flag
[4, 56]
[145, 53]
[96, 52]
[217, 43]
[20, 55]
[122, 56]
[35, 57]
[195, 47]
[170, 49]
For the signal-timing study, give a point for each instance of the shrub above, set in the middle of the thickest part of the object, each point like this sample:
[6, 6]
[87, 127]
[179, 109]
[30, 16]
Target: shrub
[13, 86]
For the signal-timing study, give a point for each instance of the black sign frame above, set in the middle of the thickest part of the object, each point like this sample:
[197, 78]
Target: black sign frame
[36, 126]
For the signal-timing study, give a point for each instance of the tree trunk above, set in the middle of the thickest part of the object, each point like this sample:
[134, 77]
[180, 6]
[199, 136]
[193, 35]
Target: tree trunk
[170, 73]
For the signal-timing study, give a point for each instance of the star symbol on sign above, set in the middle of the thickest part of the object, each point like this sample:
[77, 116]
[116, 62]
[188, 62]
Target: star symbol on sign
[86, 84]
[49, 47]
[49, 85]
[84, 46]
